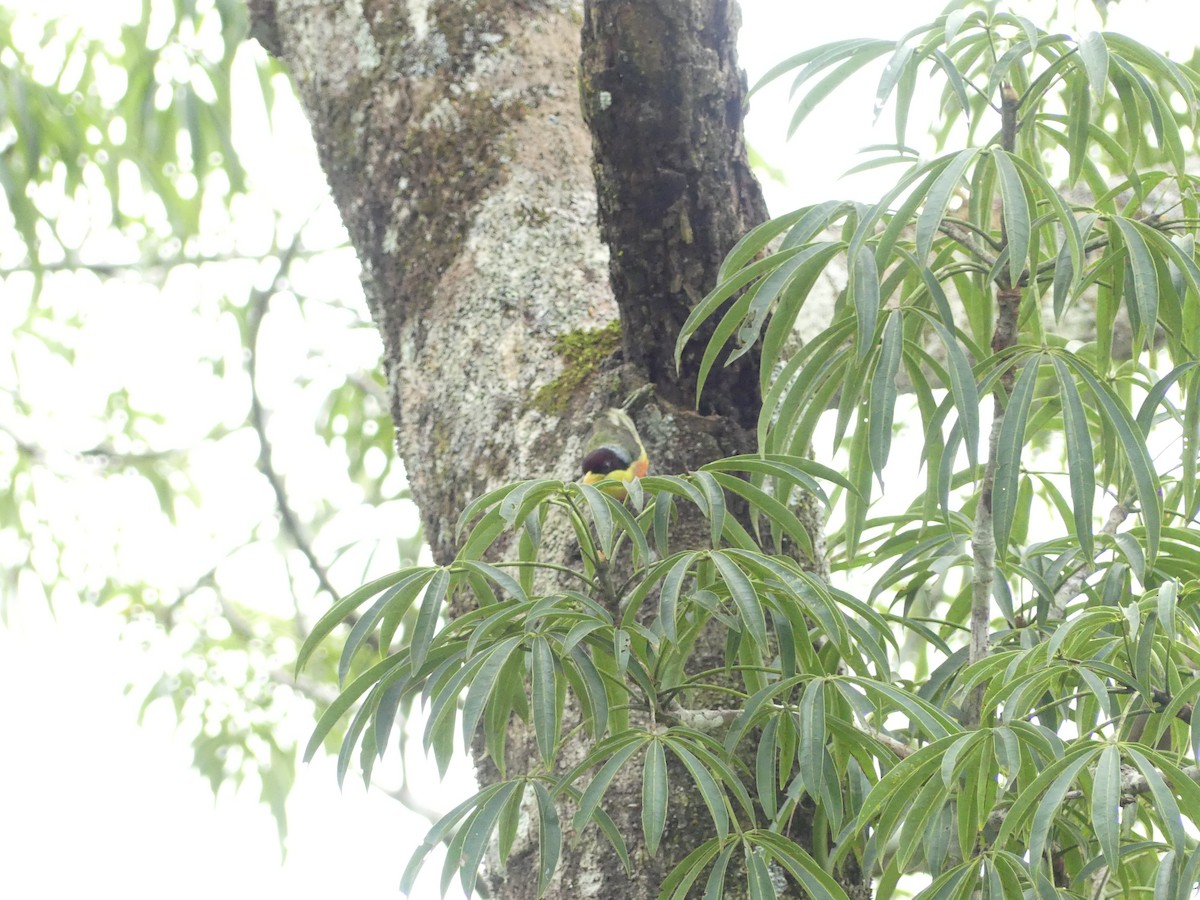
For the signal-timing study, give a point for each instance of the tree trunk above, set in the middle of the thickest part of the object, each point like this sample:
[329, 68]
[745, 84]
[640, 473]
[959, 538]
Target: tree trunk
[454, 144]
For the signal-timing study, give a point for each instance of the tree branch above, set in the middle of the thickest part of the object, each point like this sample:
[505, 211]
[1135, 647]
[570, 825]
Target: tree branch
[1074, 582]
[983, 540]
[258, 419]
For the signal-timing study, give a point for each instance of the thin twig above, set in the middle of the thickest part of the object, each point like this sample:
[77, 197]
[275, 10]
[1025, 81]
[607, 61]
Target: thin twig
[258, 419]
[1074, 583]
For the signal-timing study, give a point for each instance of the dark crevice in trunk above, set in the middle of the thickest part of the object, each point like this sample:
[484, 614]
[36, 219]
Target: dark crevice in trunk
[664, 99]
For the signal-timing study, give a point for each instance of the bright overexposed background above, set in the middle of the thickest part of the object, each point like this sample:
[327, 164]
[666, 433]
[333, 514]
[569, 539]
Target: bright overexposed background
[90, 801]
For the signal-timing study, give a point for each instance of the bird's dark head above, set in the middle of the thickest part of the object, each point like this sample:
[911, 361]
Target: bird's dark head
[604, 460]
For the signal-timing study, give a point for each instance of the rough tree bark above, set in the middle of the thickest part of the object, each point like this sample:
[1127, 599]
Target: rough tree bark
[452, 136]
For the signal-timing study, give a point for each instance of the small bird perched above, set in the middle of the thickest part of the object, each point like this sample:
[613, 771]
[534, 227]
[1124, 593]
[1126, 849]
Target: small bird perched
[614, 450]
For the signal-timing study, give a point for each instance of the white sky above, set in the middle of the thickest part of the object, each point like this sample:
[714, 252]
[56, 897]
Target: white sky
[92, 804]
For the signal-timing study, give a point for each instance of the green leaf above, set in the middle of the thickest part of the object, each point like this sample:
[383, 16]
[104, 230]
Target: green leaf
[442, 830]
[892, 73]
[549, 837]
[507, 584]
[343, 608]
[785, 469]
[545, 698]
[813, 736]
[830, 82]
[1008, 453]
[654, 795]
[933, 721]
[938, 199]
[714, 799]
[599, 785]
[761, 235]
[962, 388]
[714, 888]
[1050, 787]
[779, 334]
[745, 598]
[955, 19]
[678, 883]
[1106, 804]
[427, 617]
[595, 696]
[882, 395]
[484, 683]
[528, 496]
[668, 597]
[345, 700]
[799, 864]
[598, 506]
[1141, 466]
[1165, 807]
[476, 836]
[1145, 281]
[804, 268]
[480, 504]
[778, 513]
[1016, 215]
[714, 504]
[722, 292]
[1094, 53]
[1081, 464]
[765, 783]
[403, 594]
[726, 327]
[858, 502]
[864, 286]
[954, 77]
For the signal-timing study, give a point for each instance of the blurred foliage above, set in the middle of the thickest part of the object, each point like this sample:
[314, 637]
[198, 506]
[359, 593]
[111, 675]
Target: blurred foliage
[193, 428]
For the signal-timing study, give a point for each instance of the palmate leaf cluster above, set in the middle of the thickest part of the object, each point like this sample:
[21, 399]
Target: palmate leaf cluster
[848, 702]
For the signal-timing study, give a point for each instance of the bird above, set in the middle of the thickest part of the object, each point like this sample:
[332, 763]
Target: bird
[614, 450]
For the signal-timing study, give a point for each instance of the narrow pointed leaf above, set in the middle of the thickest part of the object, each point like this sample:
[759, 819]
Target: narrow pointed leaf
[748, 604]
[1106, 804]
[343, 608]
[714, 799]
[1008, 454]
[483, 685]
[1015, 213]
[891, 75]
[799, 864]
[427, 618]
[1166, 808]
[864, 284]
[882, 396]
[812, 736]
[654, 795]
[1145, 281]
[937, 201]
[1094, 52]
[545, 698]
[1081, 464]
[549, 837]
[479, 836]
[1138, 457]
[599, 785]
[963, 389]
